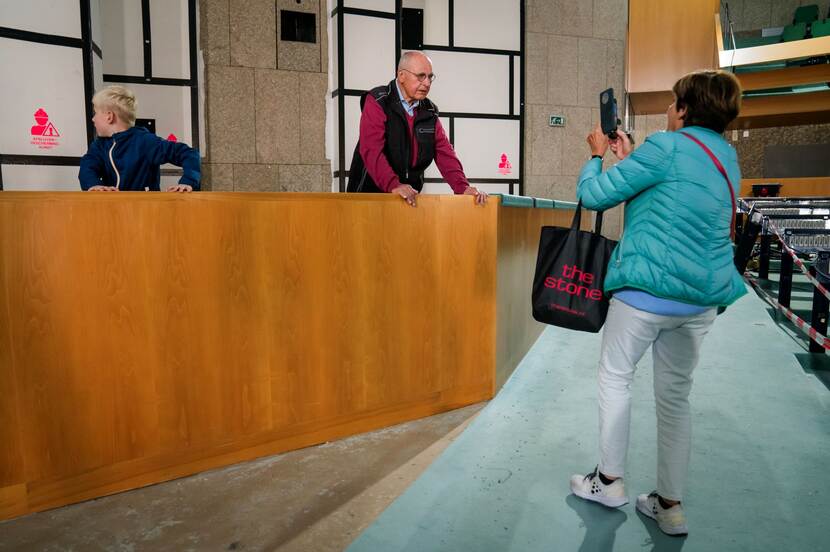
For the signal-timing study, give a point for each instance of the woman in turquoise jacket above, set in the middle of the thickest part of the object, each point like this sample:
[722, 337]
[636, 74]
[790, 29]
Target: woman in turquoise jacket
[669, 273]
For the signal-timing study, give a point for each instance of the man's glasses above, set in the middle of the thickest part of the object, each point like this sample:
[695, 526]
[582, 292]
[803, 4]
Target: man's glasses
[421, 76]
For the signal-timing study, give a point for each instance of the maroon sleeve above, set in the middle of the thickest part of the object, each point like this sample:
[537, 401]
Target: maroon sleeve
[447, 162]
[372, 142]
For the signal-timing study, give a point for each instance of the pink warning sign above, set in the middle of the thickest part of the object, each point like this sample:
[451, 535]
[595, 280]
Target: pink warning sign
[44, 134]
[504, 166]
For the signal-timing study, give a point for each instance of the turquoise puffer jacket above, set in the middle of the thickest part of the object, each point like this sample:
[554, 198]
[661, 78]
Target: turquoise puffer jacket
[676, 240]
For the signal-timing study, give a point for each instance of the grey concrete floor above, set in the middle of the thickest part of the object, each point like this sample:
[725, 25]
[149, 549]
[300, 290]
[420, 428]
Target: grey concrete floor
[315, 499]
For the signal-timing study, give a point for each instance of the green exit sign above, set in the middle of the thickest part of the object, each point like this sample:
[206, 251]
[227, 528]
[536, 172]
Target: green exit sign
[557, 120]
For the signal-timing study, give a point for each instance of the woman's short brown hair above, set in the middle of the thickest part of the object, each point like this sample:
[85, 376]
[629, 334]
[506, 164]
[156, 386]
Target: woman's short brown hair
[712, 99]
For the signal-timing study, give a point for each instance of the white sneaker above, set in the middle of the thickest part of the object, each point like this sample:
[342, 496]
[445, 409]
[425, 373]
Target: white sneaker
[672, 521]
[590, 487]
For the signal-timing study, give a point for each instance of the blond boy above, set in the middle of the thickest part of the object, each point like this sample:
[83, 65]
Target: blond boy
[128, 158]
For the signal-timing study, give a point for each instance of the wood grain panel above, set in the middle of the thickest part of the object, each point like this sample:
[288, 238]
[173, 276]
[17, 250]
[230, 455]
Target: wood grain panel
[148, 336]
[666, 40]
[518, 245]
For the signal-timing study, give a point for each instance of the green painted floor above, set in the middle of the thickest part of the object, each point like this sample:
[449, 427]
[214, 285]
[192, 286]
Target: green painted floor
[761, 423]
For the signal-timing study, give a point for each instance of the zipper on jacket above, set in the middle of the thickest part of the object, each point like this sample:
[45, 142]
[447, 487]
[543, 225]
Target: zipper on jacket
[619, 249]
[112, 162]
[362, 180]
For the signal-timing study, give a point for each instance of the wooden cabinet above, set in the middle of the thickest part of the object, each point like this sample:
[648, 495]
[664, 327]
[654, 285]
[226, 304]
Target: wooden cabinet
[145, 337]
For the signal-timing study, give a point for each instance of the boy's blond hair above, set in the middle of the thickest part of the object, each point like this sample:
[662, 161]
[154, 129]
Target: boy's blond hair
[118, 99]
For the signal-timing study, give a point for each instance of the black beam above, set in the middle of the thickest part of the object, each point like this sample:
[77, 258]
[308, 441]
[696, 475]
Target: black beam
[89, 81]
[467, 50]
[341, 103]
[146, 38]
[521, 97]
[511, 86]
[41, 38]
[785, 280]
[398, 15]
[480, 116]
[820, 303]
[347, 92]
[360, 11]
[451, 22]
[194, 74]
[148, 80]
[763, 268]
[61, 160]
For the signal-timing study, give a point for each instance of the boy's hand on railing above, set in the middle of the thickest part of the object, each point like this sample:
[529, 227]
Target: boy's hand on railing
[180, 188]
[102, 189]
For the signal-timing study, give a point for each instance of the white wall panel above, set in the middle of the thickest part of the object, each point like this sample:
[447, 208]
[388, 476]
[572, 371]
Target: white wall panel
[97, 24]
[432, 170]
[170, 35]
[41, 76]
[377, 5]
[333, 75]
[352, 119]
[30, 178]
[470, 83]
[480, 143]
[369, 50]
[441, 188]
[437, 22]
[169, 106]
[97, 73]
[123, 37]
[168, 180]
[517, 84]
[487, 24]
[436, 188]
[52, 17]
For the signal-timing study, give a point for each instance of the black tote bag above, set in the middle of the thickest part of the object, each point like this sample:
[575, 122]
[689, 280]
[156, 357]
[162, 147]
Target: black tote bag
[570, 273]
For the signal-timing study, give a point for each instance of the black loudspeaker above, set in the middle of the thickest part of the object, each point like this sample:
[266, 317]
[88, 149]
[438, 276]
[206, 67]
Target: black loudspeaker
[149, 124]
[766, 190]
[412, 29]
[298, 26]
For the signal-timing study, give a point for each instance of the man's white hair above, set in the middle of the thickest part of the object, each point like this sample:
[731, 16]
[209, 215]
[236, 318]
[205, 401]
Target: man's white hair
[407, 58]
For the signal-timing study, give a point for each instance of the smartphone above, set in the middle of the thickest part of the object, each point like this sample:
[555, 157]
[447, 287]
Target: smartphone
[609, 119]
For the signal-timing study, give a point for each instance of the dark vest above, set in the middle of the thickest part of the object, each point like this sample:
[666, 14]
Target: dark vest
[398, 149]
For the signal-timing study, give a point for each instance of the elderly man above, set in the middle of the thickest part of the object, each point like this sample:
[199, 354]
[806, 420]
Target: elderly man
[401, 135]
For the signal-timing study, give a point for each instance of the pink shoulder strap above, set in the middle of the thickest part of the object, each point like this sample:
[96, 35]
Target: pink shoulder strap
[723, 172]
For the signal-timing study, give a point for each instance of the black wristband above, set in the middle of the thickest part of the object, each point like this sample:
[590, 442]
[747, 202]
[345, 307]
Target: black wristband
[596, 157]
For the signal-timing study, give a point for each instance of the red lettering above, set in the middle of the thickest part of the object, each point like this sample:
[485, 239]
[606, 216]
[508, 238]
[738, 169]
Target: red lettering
[571, 288]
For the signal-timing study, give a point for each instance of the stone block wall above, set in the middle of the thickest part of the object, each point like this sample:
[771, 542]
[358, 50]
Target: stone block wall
[265, 99]
[575, 49]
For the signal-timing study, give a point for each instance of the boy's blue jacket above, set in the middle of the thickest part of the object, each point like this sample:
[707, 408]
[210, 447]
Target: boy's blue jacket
[131, 159]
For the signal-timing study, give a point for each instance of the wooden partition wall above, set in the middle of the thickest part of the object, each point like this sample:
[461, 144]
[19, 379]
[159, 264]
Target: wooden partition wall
[145, 337]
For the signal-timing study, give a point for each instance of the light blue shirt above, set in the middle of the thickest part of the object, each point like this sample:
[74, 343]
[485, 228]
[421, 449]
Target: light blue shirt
[657, 305]
[408, 107]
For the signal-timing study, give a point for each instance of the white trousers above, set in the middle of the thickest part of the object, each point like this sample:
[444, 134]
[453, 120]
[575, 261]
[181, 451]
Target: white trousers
[675, 342]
